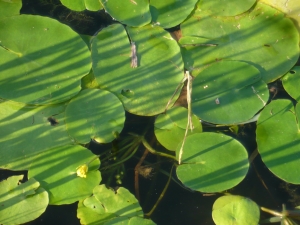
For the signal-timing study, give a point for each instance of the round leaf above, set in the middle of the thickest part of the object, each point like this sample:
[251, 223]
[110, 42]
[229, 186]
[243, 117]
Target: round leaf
[278, 139]
[107, 204]
[56, 168]
[169, 13]
[94, 114]
[225, 7]
[130, 12]
[291, 82]
[37, 65]
[264, 37]
[237, 210]
[228, 92]
[21, 124]
[10, 8]
[170, 127]
[21, 203]
[80, 5]
[208, 164]
[146, 89]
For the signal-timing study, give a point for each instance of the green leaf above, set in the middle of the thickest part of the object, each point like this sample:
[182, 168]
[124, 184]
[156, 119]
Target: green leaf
[290, 8]
[169, 13]
[21, 203]
[107, 204]
[144, 90]
[134, 13]
[37, 65]
[263, 37]
[170, 128]
[80, 5]
[208, 165]
[10, 8]
[56, 170]
[26, 131]
[225, 7]
[94, 114]
[228, 92]
[291, 82]
[237, 210]
[129, 221]
[278, 139]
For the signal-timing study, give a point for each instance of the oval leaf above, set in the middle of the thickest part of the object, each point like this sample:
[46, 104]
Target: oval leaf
[264, 37]
[208, 165]
[94, 114]
[37, 65]
[134, 13]
[146, 89]
[21, 203]
[278, 139]
[228, 92]
[238, 210]
[56, 170]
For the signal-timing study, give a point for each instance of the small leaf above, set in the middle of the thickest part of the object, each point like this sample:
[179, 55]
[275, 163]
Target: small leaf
[21, 203]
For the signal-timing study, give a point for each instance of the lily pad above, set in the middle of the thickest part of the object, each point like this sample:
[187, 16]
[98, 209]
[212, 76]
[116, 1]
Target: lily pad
[170, 128]
[56, 170]
[146, 89]
[21, 203]
[278, 139]
[134, 13]
[37, 65]
[234, 209]
[290, 8]
[228, 92]
[10, 8]
[208, 164]
[80, 5]
[291, 82]
[169, 13]
[129, 221]
[225, 7]
[94, 114]
[263, 37]
[26, 131]
[107, 204]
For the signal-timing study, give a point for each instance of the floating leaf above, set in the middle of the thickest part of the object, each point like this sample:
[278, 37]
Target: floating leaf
[232, 209]
[21, 203]
[291, 82]
[170, 127]
[26, 131]
[37, 65]
[263, 37]
[144, 90]
[107, 204]
[129, 221]
[290, 8]
[94, 114]
[134, 13]
[278, 139]
[10, 8]
[208, 165]
[80, 5]
[169, 13]
[228, 92]
[225, 7]
[56, 170]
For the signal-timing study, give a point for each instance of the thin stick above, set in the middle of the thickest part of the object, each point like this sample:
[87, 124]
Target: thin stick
[134, 59]
[189, 121]
[136, 175]
[148, 215]
[176, 90]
